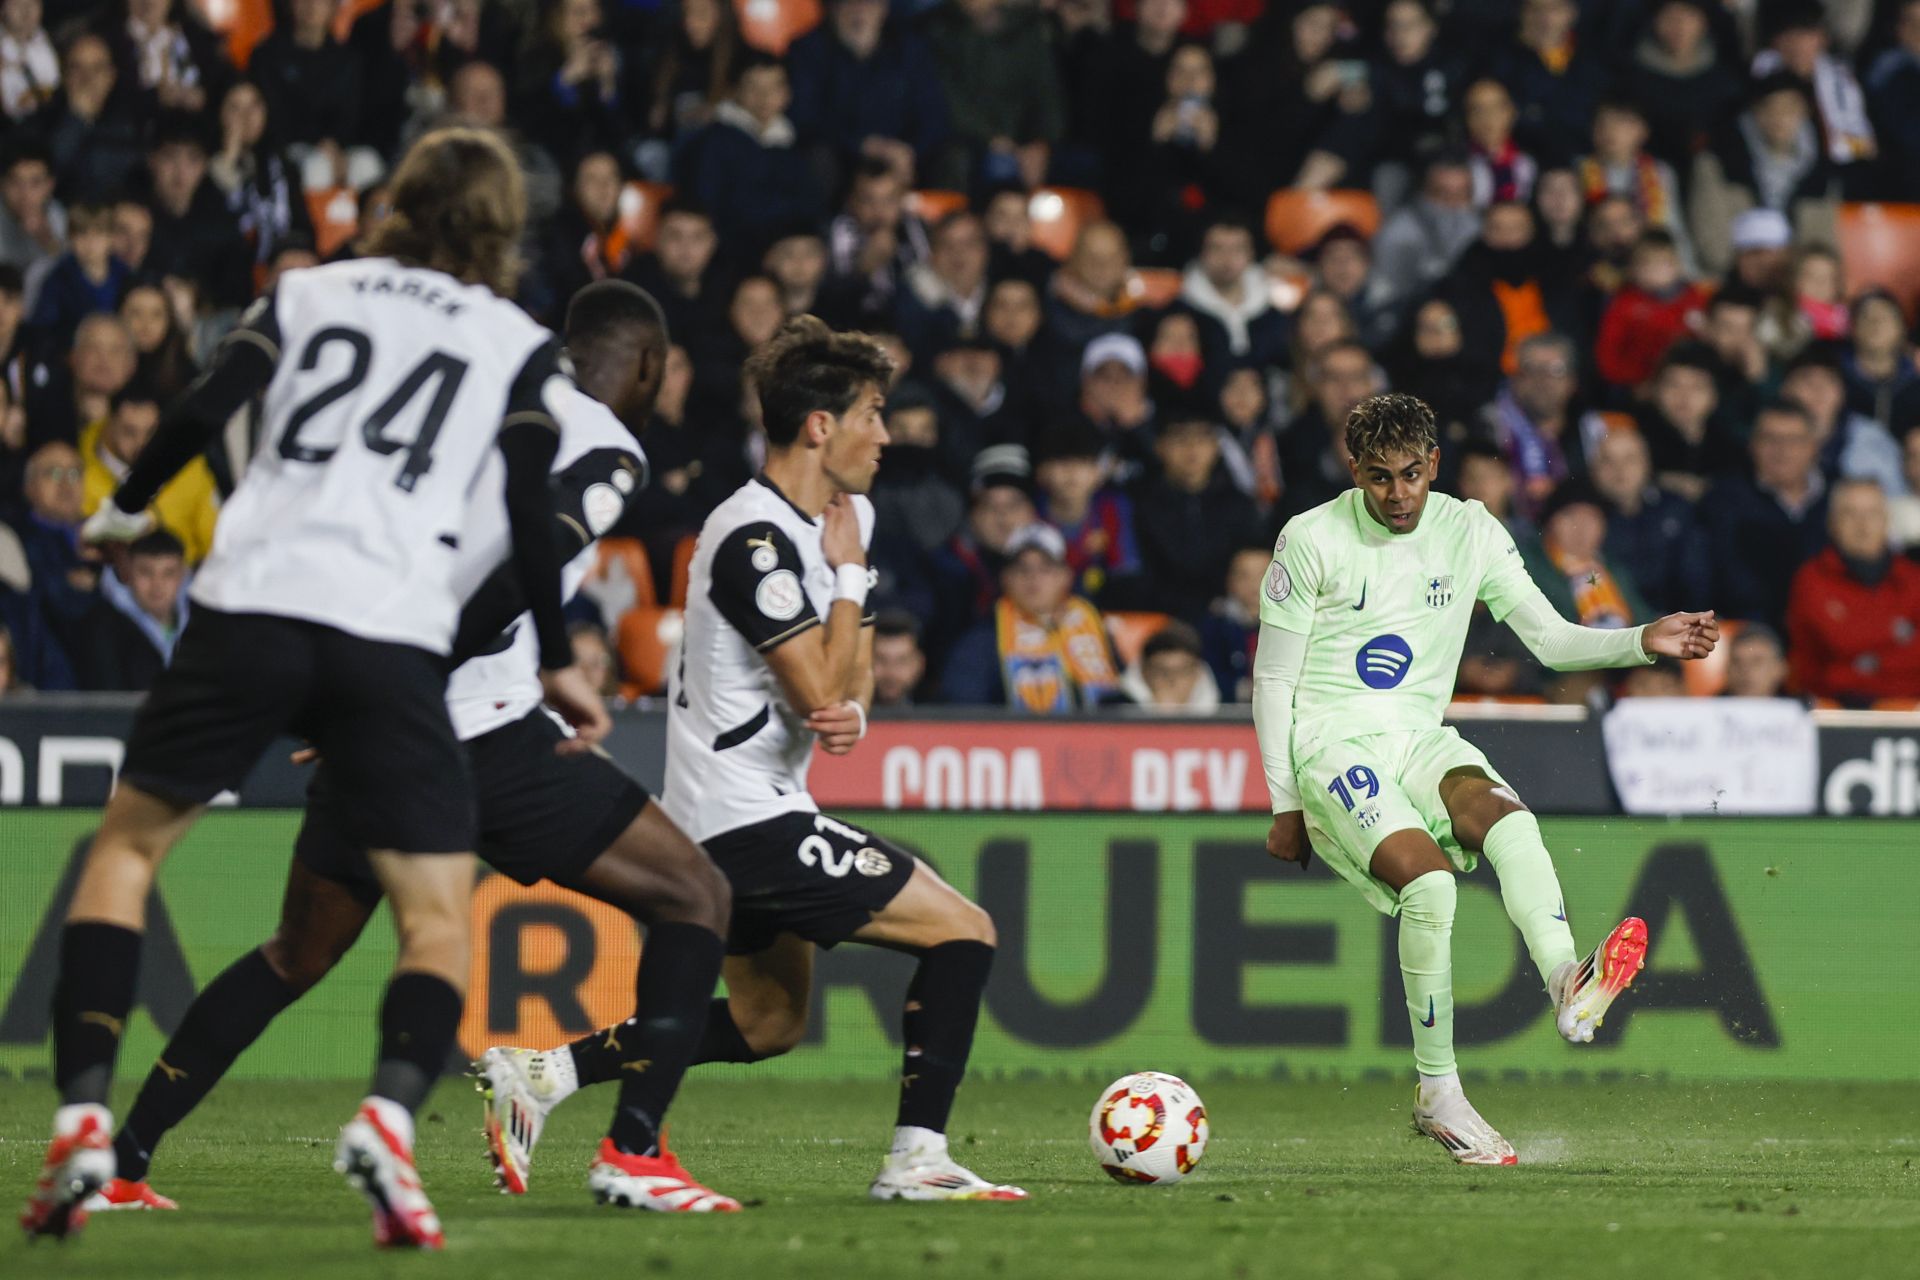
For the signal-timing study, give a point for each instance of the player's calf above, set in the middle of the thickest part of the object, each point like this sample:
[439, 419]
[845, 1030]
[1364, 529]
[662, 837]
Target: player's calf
[955, 939]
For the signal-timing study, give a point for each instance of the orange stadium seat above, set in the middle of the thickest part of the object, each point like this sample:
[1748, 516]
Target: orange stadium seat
[771, 25]
[241, 23]
[1058, 213]
[639, 221]
[1131, 631]
[646, 638]
[682, 569]
[1707, 678]
[335, 212]
[933, 204]
[1297, 219]
[350, 12]
[625, 557]
[1154, 286]
[1880, 246]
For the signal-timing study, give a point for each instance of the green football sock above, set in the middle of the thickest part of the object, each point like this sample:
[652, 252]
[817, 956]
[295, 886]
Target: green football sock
[1426, 966]
[1531, 890]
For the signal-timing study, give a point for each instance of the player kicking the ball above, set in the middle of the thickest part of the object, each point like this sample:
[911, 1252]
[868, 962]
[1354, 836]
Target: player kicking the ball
[775, 656]
[1363, 619]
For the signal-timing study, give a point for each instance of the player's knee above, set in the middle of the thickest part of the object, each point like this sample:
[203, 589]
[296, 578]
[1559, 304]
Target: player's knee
[694, 892]
[707, 897]
[1472, 827]
[299, 962]
[771, 1030]
[969, 922]
[434, 941]
[1429, 901]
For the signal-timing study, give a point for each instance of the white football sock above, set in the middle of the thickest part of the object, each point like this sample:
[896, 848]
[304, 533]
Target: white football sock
[562, 1077]
[908, 1138]
[1433, 1087]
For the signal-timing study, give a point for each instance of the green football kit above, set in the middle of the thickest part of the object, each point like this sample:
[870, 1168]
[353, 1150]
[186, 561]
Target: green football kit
[1361, 638]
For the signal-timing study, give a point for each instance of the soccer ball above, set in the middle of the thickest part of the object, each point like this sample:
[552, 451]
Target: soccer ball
[1148, 1127]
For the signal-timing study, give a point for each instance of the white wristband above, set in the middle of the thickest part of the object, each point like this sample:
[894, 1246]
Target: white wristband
[850, 583]
[861, 712]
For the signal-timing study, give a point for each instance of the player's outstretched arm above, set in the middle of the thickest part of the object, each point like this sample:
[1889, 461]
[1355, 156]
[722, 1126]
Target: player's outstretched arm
[1560, 645]
[241, 367]
[1567, 646]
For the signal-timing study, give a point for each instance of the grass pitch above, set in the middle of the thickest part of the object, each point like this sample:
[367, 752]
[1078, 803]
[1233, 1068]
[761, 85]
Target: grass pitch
[1633, 1179]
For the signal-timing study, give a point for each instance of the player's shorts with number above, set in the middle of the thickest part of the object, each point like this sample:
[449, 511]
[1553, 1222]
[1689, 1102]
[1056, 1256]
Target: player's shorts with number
[806, 874]
[1358, 792]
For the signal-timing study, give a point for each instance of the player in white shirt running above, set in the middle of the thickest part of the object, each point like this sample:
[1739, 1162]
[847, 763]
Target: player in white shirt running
[546, 812]
[1363, 618]
[776, 656]
[326, 609]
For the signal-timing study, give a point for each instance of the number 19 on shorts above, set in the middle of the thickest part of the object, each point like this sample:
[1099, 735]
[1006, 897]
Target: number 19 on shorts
[1355, 787]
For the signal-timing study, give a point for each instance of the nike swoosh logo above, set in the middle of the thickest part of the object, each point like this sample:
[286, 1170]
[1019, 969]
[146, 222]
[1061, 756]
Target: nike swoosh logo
[1561, 915]
[1429, 1019]
[1363, 596]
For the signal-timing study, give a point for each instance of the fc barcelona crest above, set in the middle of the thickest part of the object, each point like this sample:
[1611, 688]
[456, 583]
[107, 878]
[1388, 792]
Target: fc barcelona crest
[1440, 591]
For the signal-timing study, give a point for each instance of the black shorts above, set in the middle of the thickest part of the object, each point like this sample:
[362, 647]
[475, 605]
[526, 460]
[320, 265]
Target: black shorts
[377, 711]
[806, 874]
[543, 816]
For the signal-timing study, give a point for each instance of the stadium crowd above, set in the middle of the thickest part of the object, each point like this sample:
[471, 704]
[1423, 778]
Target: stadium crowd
[1598, 238]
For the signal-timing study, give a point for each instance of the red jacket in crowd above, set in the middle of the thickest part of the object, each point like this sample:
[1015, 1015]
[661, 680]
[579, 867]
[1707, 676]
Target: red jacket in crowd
[1852, 642]
[1638, 327]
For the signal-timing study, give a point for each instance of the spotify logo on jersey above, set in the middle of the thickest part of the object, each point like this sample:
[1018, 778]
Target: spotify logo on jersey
[1383, 661]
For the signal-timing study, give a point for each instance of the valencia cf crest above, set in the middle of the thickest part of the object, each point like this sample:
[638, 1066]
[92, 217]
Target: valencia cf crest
[1440, 591]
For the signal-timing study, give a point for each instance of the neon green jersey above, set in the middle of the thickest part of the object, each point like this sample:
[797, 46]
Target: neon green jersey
[1385, 614]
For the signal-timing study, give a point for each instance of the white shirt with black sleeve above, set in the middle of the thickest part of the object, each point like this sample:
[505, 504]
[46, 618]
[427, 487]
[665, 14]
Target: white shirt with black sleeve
[598, 469]
[390, 387]
[737, 753]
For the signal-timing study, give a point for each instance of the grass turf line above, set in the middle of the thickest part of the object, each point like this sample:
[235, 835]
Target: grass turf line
[1632, 1179]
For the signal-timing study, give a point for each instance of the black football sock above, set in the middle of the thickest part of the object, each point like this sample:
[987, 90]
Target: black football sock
[678, 969]
[226, 1017]
[99, 972]
[597, 1055]
[943, 1003]
[418, 1022]
[722, 1041]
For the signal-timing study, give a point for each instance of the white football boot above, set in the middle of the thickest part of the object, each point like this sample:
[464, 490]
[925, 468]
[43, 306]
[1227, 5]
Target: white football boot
[521, 1088]
[1584, 990]
[1445, 1115]
[378, 1162]
[929, 1173]
[78, 1163]
[658, 1183]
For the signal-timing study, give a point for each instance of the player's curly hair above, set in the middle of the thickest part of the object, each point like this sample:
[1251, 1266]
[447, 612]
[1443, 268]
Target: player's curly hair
[808, 368]
[1391, 423]
[459, 206]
